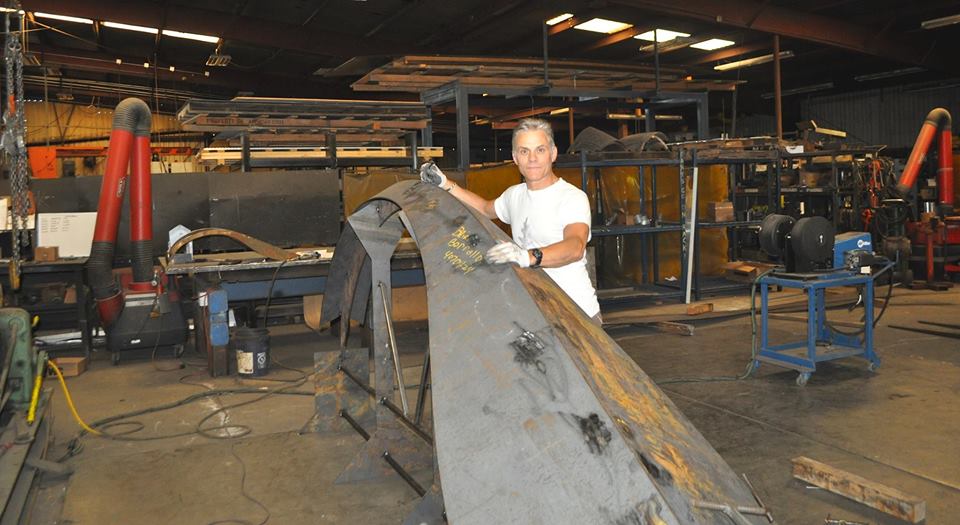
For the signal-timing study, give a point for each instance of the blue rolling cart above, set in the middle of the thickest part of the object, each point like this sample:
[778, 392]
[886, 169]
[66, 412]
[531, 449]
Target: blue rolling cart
[822, 342]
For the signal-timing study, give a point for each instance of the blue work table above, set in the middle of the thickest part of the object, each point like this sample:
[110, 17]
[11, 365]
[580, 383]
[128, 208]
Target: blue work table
[822, 342]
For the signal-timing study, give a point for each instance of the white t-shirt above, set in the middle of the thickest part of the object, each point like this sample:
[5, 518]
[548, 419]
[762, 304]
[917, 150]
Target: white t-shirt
[538, 219]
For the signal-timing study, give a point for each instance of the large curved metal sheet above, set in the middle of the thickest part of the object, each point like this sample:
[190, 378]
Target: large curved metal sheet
[538, 415]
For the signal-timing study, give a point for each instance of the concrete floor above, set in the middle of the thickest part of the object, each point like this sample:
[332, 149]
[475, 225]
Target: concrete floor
[897, 426]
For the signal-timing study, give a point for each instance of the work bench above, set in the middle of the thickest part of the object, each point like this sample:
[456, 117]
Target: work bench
[55, 313]
[248, 276]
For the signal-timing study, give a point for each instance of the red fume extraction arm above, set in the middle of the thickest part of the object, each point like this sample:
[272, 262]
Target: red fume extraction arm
[131, 134]
[938, 119]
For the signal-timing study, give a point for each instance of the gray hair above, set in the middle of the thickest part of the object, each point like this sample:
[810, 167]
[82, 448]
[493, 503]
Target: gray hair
[533, 124]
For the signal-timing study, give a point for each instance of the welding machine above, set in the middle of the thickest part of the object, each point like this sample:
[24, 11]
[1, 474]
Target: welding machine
[811, 244]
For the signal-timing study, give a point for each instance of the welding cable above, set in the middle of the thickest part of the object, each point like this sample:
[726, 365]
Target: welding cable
[243, 491]
[98, 427]
[273, 281]
[876, 320]
[73, 408]
[748, 371]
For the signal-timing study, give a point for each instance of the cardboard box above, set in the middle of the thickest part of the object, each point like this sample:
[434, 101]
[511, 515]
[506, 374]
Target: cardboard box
[46, 253]
[71, 366]
[720, 211]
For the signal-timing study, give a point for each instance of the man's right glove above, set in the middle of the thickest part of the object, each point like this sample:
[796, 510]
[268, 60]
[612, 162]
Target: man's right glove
[431, 174]
[507, 252]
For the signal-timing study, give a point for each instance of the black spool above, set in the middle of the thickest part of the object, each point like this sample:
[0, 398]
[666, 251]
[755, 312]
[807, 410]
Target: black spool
[252, 348]
[773, 233]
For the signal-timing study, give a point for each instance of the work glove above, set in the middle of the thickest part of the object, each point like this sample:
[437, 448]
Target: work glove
[508, 252]
[431, 174]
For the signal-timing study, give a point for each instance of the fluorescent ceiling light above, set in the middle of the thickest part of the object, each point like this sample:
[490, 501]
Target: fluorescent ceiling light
[559, 111]
[128, 27]
[712, 44]
[191, 36]
[663, 35]
[559, 18]
[601, 25]
[940, 22]
[756, 61]
[799, 90]
[65, 18]
[889, 74]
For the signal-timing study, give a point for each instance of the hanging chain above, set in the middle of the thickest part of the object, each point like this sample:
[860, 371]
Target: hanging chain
[14, 144]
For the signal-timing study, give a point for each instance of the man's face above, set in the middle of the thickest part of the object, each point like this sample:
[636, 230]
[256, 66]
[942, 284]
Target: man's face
[534, 155]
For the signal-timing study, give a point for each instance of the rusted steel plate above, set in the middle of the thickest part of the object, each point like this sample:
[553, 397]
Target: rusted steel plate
[539, 416]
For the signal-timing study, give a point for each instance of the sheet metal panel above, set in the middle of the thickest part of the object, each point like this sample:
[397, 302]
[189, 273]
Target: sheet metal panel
[539, 416]
[285, 208]
[262, 204]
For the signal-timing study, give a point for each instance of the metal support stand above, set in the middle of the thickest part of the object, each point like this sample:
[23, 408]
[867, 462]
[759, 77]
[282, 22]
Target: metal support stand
[245, 152]
[380, 235]
[462, 102]
[691, 231]
[823, 342]
[388, 320]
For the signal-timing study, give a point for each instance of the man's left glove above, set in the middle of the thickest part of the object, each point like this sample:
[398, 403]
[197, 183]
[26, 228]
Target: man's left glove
[431, 174]
[508, 252]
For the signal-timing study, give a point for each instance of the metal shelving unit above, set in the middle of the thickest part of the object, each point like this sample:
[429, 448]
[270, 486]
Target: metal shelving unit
[689, 158]
[684, 159]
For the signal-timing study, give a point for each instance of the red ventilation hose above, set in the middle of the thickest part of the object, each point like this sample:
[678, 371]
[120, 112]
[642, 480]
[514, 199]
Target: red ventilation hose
[938, 119]
[130, 137]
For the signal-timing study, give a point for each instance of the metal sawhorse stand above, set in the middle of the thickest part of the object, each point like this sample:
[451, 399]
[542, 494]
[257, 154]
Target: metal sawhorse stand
[822, 343]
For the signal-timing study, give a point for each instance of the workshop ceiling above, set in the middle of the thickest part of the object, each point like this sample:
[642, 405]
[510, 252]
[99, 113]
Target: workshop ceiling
[299, 48]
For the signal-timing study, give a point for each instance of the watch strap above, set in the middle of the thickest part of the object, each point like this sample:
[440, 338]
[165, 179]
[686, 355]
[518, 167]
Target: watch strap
[538, 257]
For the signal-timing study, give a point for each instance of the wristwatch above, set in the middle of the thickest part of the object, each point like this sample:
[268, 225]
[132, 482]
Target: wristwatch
[538, 256]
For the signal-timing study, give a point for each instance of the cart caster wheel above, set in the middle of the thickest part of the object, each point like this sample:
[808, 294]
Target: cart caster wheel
[873, 367]
[802, 378]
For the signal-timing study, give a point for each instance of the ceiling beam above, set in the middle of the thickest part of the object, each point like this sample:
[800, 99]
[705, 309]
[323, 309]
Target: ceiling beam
[784, 21]
[256, 31]
[614, 38]
[219, 77]
[729, 52]
[570, 23]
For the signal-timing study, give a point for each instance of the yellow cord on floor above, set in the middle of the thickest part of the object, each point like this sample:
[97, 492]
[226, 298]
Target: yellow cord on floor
[66, 394]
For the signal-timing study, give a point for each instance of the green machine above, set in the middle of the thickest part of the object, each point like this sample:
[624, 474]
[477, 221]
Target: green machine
[18, 357]
[24, 439]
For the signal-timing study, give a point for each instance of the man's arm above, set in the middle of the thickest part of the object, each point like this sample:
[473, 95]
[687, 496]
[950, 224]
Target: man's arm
[431, 174]
[569, 250]
[473, 200]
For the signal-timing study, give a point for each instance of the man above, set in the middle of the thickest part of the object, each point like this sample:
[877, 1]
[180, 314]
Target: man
[550, 217]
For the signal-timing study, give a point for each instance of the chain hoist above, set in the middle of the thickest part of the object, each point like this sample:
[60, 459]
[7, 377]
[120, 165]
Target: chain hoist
[14, 145]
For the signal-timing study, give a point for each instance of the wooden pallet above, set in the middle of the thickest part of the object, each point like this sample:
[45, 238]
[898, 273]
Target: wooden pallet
[317, 115]
[221, 156]
[418, 73]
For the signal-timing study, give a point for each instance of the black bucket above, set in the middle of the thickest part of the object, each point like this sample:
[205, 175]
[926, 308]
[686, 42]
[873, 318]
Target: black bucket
[252, 348]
